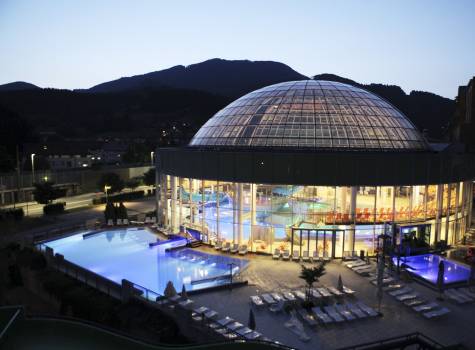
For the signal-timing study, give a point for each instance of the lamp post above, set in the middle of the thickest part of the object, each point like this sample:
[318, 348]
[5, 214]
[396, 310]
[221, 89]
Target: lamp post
[33, 168]
[105, 190]
[151, 157]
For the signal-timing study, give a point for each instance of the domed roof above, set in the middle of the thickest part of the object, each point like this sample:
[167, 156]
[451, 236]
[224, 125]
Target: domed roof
[310, 114]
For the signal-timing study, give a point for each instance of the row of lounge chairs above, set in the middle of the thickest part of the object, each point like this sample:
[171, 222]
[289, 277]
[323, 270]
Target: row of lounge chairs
[361, 267]
[460, 295]
[226, 327]
[118, 222]
[233, 249]
[410, 298]
[295, 256]
[276, 300]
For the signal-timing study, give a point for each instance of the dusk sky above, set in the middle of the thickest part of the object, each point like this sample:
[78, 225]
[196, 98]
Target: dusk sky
[419, 45]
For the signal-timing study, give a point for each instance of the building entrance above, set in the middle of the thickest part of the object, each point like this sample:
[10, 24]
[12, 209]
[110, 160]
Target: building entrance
[327, 242]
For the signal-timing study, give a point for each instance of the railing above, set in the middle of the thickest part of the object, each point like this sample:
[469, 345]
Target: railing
[148, 294]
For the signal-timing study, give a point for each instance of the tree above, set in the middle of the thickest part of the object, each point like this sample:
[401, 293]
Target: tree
[112, 180]
[149, 177]
[252, 320]
[109, 212]
[311, 275]
[133, 183]
[122, 211]
[45, 193]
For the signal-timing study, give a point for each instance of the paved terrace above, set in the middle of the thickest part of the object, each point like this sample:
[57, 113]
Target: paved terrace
[267, 275]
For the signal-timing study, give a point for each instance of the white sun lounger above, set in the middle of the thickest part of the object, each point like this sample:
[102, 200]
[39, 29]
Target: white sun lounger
[401, 291]
[335, 291]
[322, 316]
[218, 245]
[235, 248]
[289, 296]
[119, 222]
[326, 257]
[315, 294]
[244, 331]
[308, 318]
[277, 307]
[415, 302]
[354, 264]
[276, 254]
[466, 291]
[267, 298]
[459, 299]
[369, 310]
[408, 296]
[286, 255]
[277, 297]
[295, 255]
[253, 335]
[331, 311]
[226, 247]
[256, 300]
[315, 256]
[324, 292]
[211, 314]
[436, 313]
[305, 256]
[299, 294]
[463, 295]
[234, 326]
[426, 307]
[356, 310]
[243, 250]
[348, 291]
[345, 312]
[225, 321]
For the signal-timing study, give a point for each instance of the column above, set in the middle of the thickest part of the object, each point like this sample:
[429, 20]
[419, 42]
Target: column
[455, 236]
[438, 214]
[470, 203]
[447, 218]
[158, 204]
[173, 203]
[203, 209]
[253, 212]
[190, 201]
[218, 234]
[351, 234]
[239, 212]
[180, 203]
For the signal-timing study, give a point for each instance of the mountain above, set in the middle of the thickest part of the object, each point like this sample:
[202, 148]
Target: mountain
[18, 85]
[426, 110]
[216, 76]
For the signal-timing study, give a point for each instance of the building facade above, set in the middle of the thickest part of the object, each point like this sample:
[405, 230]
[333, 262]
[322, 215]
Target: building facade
[314, 165]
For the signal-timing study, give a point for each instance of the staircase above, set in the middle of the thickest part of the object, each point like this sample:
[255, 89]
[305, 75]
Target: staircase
[193, 243]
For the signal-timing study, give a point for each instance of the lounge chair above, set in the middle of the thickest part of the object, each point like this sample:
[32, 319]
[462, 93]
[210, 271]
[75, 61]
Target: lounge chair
[467, 292]
[110, 222]
[350, 255]
[147, 220]
[362, 267]
[355, 310]
[385, 281]
[226, 247]
[436, 313]
[335, 291]
[308, 318]
[299, 294]
[463, 295]
[277, 307]
[315, 256]
[356, 263]
[187, 303]
[234, 249]
[153, 219]
[366, 271]
[218, 245]
[426, 307]
[408, 296]
[119, 222]
[289, 296]
[322, 316]
[234, 326]
[315, 294]
[345, 312]
[331, 311]
[125, 222]
[211, 314]
[324, 292]
[415, 302]
[267, 298]
[348, 291]
[243, 250]
[253, 335]
[295, 255]
[225, 321]
[457, 297]
[367, 309]
[243, 331]
[277, 297]
[401, 291]
[256, 300]
[198, 314]
[305, 256]
[286, 255]
[393, 286]
[276, 254]
[326, 257]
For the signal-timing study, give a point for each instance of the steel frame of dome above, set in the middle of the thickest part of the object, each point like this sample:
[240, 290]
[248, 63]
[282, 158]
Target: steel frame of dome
[310, 114]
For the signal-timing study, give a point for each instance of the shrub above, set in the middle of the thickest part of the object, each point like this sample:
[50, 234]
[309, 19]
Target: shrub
[16, 214]
[121, 197]
[54, 208]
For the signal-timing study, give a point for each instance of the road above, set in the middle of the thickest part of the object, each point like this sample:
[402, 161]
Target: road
[34, 209]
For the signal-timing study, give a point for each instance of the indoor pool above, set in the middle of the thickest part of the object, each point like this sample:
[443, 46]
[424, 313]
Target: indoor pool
[124, 253]
[427, 267]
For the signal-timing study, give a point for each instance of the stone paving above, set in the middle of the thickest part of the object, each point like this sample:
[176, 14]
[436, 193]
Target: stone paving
[266, 275]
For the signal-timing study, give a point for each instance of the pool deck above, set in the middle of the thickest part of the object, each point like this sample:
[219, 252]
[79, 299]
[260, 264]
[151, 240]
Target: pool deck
[267, 275]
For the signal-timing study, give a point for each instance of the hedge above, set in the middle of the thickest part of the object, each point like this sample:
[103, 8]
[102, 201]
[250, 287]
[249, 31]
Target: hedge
[54, 208]
[120, 197]
[12, 214]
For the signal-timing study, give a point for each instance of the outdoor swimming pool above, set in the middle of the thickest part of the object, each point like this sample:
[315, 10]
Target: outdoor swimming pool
[427, 267]
[124, 253]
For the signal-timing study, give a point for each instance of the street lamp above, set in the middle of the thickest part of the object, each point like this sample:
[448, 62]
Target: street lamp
[33, 168]
[151, 157]
[105, 190]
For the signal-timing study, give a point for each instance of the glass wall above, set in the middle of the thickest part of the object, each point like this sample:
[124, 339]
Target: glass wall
[325, 219]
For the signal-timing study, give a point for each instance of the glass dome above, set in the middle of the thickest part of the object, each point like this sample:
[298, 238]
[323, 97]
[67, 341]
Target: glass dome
[310, 114]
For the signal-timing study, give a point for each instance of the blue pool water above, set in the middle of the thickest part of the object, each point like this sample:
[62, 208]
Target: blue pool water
[427, 267]
[125, 254]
